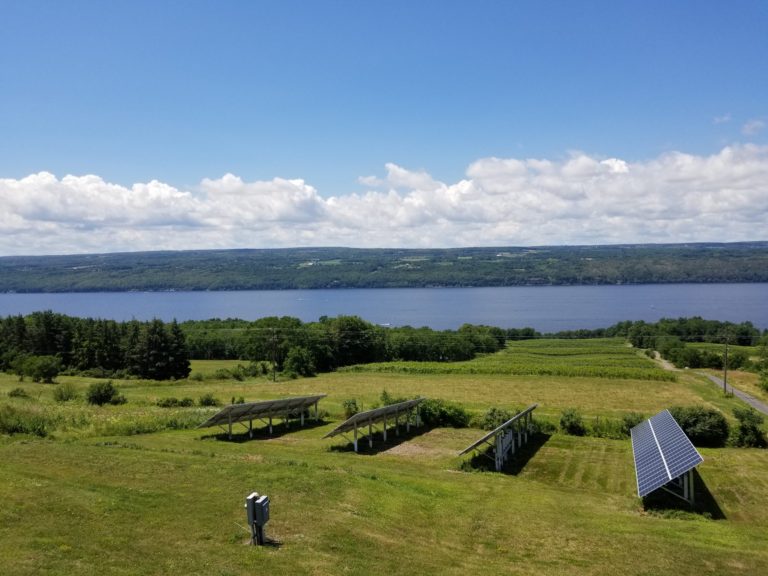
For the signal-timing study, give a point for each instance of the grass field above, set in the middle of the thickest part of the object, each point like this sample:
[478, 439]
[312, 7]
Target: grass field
[133, 489]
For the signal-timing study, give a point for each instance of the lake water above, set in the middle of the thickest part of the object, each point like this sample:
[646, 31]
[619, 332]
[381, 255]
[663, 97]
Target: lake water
[547, 308]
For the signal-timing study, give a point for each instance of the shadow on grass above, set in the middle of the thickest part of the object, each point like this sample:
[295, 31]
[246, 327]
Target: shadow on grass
[485, 462]
[664, 504]
[364, 447]
[240, 434]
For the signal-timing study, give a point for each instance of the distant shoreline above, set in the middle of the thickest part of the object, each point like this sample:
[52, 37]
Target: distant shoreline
[339, 268]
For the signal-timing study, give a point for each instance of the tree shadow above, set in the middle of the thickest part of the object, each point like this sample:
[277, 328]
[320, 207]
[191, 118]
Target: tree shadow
[379, 445]
[667, 505]
[240, 434]
[485, 462]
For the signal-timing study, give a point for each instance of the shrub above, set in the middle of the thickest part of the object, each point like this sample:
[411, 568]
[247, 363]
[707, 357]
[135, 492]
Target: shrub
[39, 368]
[607, 428]
[172, 402]
[387, 399]
[572, 423]
[763, 381]
[630, 420]
[208, 399]
[300, 361]
[437, 412]
[100, 393]
[749, 431]
[704, 426]
[350, 407]
[64, 392]
[17, 421]
[18, 393]
[543, 426]
[196, 376]
[494, 418]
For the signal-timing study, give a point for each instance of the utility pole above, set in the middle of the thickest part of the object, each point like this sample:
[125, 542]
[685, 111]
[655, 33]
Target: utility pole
[725, 366]
[274, 355]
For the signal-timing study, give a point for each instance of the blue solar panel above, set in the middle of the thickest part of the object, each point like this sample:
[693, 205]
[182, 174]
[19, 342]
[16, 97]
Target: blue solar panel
[662, 452]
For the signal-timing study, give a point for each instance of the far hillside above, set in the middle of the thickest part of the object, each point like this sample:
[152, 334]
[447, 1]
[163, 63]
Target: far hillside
[314, 268]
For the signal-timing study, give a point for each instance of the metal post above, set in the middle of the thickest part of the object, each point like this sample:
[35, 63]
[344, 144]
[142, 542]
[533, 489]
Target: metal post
[270, 424]
[317, 412]
[526, 426]
[229, 419]
[691, 491]
[370, 434]
[397, 423]
[250, 428]
[355, 436]
[385, 428]
[302, 417]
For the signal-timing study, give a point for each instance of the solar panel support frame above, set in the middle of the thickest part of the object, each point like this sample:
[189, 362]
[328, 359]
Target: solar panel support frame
[505, 439]
[409, 409]
[269, 409]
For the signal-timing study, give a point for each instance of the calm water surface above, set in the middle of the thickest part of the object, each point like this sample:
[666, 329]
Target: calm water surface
[548, 309]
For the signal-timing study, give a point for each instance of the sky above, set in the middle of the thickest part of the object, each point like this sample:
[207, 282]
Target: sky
[184, 124]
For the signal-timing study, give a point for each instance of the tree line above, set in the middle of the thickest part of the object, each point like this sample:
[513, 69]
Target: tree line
[671, 338]
[305, 348]
[42, 344]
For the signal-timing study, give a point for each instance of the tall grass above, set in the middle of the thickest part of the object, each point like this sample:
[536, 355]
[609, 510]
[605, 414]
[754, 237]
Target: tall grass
[601, 358]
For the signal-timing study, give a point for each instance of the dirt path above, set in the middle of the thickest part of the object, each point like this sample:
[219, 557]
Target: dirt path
[748, 398]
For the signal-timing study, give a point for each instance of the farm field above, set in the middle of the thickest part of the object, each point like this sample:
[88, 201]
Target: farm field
[135, 489]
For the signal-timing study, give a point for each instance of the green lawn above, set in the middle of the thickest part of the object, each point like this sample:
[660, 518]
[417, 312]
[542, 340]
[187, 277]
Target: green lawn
[99, 497]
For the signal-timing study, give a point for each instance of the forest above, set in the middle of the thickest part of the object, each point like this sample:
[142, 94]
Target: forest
[44, 344]
[314, 268]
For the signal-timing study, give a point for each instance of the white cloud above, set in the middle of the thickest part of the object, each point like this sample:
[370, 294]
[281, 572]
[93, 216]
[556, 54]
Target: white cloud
[724, 119]
[752, 127]
[581, 199]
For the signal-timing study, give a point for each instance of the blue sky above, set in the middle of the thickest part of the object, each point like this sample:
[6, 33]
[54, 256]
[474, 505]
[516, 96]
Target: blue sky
[316, 111]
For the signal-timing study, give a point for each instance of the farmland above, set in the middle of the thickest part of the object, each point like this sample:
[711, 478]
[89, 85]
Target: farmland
[136, 489]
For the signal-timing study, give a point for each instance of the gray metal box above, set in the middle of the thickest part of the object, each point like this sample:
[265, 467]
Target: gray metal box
[262, 510]
[257, 509]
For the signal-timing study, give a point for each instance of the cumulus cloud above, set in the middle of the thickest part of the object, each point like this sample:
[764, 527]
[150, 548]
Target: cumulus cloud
[580, 199]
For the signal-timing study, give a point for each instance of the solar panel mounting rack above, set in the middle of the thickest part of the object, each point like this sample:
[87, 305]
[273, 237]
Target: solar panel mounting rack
[263, 411]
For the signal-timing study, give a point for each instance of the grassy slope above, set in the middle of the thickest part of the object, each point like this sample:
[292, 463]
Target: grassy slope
[171, 502]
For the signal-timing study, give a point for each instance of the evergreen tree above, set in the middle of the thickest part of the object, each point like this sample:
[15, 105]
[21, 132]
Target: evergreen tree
[178, 354]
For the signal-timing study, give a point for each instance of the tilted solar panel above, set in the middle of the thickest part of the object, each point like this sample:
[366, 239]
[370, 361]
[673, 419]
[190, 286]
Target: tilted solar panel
[264, 409]
[498, 429]
[374, 416]
[662, 452]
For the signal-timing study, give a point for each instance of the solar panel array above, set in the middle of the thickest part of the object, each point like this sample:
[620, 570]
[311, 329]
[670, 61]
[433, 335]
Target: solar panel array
[498, 429]
[265, 409]
[373, 416]
[662, 452]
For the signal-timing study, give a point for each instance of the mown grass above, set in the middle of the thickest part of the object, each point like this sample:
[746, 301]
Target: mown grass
[108, 492]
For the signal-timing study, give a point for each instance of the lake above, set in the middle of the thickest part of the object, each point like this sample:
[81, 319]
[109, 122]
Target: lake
[545, 308]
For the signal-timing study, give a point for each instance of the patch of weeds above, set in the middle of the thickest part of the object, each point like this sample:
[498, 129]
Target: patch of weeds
[65, 392]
